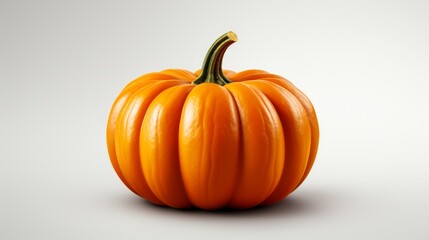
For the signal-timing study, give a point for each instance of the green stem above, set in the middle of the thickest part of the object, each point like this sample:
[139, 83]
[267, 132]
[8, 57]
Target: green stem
[211, 72]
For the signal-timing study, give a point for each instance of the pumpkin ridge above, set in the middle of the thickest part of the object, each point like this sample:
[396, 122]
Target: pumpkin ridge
[119, 103]
[257, 149]
[129, 160]
[312, 116]
[208, 137]
[237, 76]
[123, 117]
[163, 175]
[179, 74]
[239, 171]
[275, 177]
[297, 134]
[149, 77]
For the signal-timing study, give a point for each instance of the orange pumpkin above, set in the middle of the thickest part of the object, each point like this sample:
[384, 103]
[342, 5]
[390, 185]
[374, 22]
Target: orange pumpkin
[212, 139]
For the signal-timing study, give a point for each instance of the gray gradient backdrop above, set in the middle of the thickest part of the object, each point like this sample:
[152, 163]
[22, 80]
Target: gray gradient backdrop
[364, 64]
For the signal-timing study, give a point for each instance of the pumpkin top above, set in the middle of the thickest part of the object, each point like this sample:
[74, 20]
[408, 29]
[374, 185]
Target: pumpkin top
[211, 71]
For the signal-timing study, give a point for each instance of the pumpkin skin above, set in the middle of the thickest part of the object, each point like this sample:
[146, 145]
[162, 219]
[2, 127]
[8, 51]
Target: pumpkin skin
[211, 145]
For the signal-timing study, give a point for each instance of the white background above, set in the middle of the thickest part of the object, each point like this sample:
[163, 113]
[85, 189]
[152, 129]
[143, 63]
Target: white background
[364, 65]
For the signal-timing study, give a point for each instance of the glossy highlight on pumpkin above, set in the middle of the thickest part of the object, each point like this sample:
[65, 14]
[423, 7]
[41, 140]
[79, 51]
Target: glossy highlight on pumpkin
[212, 139]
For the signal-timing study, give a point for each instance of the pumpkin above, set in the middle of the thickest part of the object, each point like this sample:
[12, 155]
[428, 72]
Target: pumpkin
[214, 138]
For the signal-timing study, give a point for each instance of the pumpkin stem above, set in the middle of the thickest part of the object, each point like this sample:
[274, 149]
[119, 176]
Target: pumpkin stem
[212, 66]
